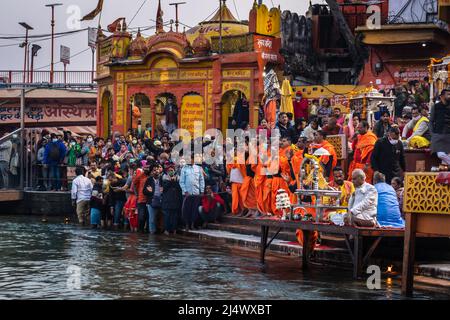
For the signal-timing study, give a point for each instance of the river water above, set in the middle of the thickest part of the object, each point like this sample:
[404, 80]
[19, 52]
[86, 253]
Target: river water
[42, 261]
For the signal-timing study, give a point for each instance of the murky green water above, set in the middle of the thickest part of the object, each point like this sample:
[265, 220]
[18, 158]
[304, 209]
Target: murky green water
[37, 260]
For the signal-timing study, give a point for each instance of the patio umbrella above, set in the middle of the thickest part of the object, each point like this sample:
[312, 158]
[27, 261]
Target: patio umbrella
[286, 97]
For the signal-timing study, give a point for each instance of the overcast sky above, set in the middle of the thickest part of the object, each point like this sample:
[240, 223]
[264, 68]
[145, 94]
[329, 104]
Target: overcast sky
[38, 16]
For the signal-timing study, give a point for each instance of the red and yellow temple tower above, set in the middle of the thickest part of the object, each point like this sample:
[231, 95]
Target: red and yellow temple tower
[137, 75]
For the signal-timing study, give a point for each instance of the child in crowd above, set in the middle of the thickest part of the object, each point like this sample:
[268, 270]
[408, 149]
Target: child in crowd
[97, 202]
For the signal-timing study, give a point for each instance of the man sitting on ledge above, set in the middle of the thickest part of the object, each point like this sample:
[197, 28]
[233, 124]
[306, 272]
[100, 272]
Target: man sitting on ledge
[388, 208]
[362, 206]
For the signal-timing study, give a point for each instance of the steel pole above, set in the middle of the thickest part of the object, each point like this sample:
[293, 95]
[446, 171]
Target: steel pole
[220, 27]
[32, 67]
[53, 43]
[93, 64]
[25, 59]
[28, 63]
[22, 136]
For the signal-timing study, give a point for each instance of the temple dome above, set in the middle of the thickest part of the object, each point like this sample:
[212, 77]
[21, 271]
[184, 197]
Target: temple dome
[211, 28]
[201, 45]
[138, 47]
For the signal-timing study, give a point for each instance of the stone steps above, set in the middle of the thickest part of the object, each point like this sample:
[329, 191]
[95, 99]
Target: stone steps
[241, 226]
[323, 255]
[238, 232]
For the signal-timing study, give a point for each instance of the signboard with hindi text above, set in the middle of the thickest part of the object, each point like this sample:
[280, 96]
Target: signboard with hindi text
[192, 110]
[45, 113]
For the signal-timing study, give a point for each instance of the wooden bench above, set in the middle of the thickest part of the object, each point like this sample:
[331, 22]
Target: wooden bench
[359, 259]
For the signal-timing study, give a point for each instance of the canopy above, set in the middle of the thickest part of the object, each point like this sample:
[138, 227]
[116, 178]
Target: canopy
[75, 130]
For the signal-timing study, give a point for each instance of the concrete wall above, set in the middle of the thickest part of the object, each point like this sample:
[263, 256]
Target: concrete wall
[40, 204]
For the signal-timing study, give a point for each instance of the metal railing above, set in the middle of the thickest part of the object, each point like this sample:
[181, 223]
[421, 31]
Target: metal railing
[39, 76]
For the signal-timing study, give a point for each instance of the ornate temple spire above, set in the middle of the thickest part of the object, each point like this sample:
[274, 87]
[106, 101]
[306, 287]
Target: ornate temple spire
[159, 19]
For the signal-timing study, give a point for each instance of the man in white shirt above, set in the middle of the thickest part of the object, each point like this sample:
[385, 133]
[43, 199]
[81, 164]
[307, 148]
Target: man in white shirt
[311, 129]
[362, 206]
[81, 195]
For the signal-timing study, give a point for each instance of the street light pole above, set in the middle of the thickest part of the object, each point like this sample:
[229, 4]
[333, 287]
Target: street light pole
[176, 4]
[22, 136]
[25, 45]
[53, 5]
[221, 6]
[34, 50]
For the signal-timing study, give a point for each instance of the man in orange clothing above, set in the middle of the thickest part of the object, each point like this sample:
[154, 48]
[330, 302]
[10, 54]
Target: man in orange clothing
[260, 181]
[136, 116]
[296, 159]
[237, 173]
[285, 146]
[282, 175]
[270, 113]
[346, 187]
[263, 179]
[138, 183]
[248, 191]
[363, 148]
[329, 162]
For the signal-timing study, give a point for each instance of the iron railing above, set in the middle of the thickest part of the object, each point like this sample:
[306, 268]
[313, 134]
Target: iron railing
[39, 76]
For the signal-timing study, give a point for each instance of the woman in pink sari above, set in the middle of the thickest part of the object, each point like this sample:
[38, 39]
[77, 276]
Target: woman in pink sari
[351, 122]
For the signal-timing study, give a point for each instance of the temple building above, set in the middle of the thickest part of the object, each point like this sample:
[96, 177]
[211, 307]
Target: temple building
[176, 77]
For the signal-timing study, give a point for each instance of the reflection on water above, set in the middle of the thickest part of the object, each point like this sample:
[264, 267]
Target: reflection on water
[36, 257]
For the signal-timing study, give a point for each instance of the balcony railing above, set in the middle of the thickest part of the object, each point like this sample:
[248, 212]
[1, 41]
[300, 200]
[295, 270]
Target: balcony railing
[59, 77]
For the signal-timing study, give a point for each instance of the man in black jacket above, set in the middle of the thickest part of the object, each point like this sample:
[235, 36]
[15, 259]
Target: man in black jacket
[241, 112]
[388, 156]
[440, 127]
[172, 200]
[286, 130]
[153, 189]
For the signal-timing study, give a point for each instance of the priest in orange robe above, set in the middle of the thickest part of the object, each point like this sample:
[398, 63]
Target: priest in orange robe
[329, 162]
[363, 147]
[280, 180]
[237, 173]
[248, 191]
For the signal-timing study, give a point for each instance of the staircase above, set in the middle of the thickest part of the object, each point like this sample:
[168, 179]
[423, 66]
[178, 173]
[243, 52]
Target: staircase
[239, 232]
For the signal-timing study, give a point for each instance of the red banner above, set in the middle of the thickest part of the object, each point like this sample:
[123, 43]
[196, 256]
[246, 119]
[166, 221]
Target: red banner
[36, 113]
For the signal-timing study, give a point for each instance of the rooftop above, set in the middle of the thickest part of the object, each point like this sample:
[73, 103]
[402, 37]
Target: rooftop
[48, 94]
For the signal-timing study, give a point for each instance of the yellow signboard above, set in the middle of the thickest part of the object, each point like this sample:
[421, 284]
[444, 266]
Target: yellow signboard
[119, 118]
[138, 76]
[164, 75]
[243, 86]
[192, 110]
[236, 73]
[119, 103]
[268, 23]
[193, 74]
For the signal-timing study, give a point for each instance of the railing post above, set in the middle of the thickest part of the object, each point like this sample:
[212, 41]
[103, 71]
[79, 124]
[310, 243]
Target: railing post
[22, 136]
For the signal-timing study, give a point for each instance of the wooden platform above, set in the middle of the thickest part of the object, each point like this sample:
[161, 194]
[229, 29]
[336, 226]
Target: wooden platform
[10, 195]
[358, 234]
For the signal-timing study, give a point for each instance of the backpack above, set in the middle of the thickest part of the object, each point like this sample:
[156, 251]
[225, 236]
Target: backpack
[53, 153]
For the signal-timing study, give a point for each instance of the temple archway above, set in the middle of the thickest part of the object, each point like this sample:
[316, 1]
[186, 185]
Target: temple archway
[107, 118]
[140, 111]
[161, 101]
[228, 102]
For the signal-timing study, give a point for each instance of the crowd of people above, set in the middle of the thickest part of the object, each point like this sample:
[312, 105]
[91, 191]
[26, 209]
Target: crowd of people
[131, 180]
